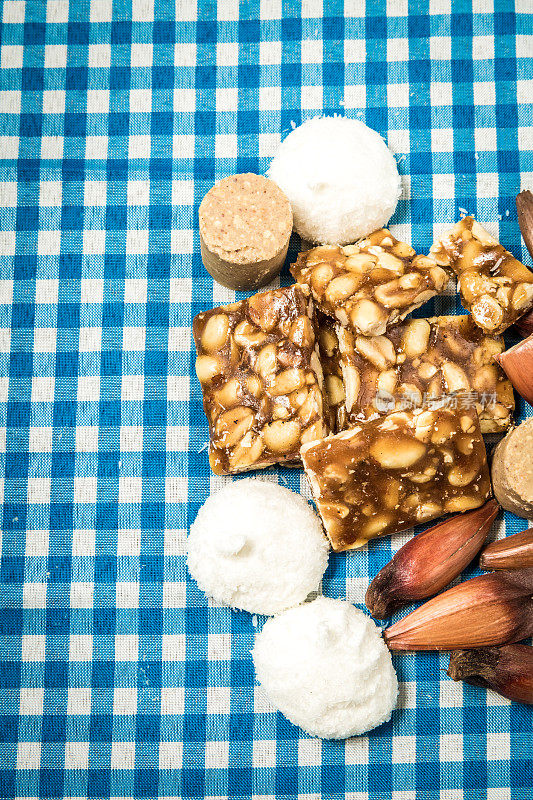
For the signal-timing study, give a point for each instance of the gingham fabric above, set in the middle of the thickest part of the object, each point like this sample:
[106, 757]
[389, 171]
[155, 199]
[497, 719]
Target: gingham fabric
[117, 677]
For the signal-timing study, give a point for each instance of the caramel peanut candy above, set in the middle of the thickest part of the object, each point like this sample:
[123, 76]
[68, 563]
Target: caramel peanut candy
[261, 379]
[495, 287]
[420, 360]
[334, 389]
[390, 474]
[370, 285]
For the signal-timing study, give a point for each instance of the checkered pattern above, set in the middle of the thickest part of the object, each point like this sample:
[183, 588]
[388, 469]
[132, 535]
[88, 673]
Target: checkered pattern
[117, 678]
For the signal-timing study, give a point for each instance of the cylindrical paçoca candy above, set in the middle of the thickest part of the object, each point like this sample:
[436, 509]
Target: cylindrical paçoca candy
[245, 227]
[512, 470]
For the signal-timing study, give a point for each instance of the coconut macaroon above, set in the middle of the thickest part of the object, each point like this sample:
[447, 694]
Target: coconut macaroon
[325, 666]
[257, 546]
[340, 177]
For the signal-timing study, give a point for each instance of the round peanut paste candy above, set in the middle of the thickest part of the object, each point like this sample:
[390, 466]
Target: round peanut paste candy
[245, 227]
[512, 470]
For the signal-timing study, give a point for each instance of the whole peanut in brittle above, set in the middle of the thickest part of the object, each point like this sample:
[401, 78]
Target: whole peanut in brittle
[495, 287]
[395, 472]
[261, 379]
[414, 363]
[370, 285]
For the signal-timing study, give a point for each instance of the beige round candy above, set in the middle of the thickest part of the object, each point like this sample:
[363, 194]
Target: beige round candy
[245, 227]
[512, 470]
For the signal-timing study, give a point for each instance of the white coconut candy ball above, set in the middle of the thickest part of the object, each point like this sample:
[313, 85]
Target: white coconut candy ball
[325, 666]
[340, 177]
[257, 546]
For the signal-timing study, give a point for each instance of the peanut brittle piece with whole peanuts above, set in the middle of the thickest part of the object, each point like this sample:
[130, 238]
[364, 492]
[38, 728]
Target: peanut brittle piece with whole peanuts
[412, 365]
[395, 472]
[370, 285]
[261, 379]
[495, 287]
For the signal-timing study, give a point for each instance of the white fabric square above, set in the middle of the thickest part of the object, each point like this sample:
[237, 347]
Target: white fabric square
[170, 755]
[127, 594]
[123, 755]
[140, 100]
[440, 48]
[312, 51]
[312, 9]
[137, 241]
[8, 194]
[451, 747]
[135, 290]
[54, 101]
[174, 594]
[96, 147]
[442, 140]
[128, 542]
[219, 647]
[92, 291]
[485, 93]
[101, 11]
[87, 439]
[177, 438]
[309, 753]
[443, 186]
[50, 193]
[28, 755]
[55, 56]
[49, 243]
[182, 192]
[139, 146]
[39, 490]
[31, 702]
[172, 700]
[9, 146]
[125, 701]
[95, 193]
[77, 755]
[441, 93]
[44, 340]
[37, 545]
[126, 647]
[12, 56]
[52, 147]
[132, 387]
[33, 646]
[85, 489]
[226, 145]
[354, 52]
[179, 339]
[88, 388]
[138, 193]
[173, 647]
[227, 54]
[217, 754]
[81, 647]
[176, 489]
[269, 52]
[312, 97]
[180, 290]
[354, 97]
[185, 54]
[227, 99]
[142, 54]
[131, 438]
[34, 594]
[40, 440]
[485, 140]
[524, 90]
[100, 55]
[10, 100]
[356, 750]
[175, 542]
[178, 387]
[82, 594]
[142, 10]
[97, 101]
[483, 46]
[83, 542]
[183, 145]
[403, 748]
[13, 11]
[218, 699]
[79, 700]
[130, 489]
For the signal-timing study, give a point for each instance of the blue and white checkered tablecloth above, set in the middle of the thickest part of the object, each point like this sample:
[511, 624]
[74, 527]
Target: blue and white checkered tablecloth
[118, 679]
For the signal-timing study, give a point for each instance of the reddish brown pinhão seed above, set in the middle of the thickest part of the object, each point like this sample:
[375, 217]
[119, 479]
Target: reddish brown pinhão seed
[429, 561]
[513, 552]
[517, 363]
[489, 610]
[507, 670]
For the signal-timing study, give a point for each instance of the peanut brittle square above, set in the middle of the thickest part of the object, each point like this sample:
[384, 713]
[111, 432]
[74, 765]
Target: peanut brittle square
[370, 285]
[395, 472]
[495, 287]
[261, 379]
